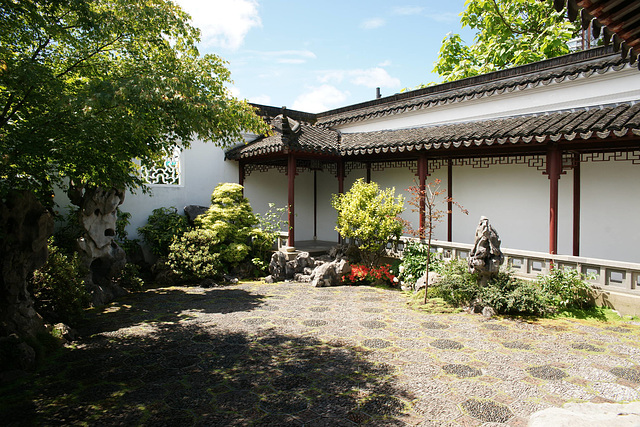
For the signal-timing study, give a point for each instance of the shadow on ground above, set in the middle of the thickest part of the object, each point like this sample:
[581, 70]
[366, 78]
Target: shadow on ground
[175, 371]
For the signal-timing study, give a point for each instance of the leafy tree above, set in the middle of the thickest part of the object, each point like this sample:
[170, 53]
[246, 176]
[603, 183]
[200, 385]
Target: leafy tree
[87, 86]
[369, 217]
[427, 197]
[509, 33]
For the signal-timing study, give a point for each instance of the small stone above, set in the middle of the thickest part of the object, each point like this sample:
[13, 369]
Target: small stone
[488, 312]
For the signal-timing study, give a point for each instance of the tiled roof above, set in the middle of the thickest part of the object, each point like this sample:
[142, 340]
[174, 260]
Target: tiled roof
[585, 123]
[575, 125]
[599, 60]
[298, 136]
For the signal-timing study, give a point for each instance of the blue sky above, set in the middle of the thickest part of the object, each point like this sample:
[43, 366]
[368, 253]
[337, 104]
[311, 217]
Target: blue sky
[318, 55]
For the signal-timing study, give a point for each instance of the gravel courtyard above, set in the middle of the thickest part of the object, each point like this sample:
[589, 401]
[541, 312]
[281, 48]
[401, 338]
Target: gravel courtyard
[289, 354]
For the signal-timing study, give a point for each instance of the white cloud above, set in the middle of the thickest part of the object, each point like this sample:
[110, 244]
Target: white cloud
[286, 56]
[385, 63]
[374, 77]
[372, 23]
[261, 99]
[407, 10]
[371, 77]
[224, 23]
[321, 98]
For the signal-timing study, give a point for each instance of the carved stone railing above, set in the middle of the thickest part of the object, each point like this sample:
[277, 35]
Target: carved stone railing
[605, 274]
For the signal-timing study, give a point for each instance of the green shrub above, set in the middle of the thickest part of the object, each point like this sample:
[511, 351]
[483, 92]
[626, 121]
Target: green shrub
[58, 288]
[225, 237]
[164, 225]
[130, 278]
[369, 217]
[566, 288]
[457, 286]
[505, 293]
[414, 262]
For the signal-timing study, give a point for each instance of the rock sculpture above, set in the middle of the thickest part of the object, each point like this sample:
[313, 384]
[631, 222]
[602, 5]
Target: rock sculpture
[25, 226]
[486, 256]
[194, 211]
[304, 268]
[330, 273]
[99, 253]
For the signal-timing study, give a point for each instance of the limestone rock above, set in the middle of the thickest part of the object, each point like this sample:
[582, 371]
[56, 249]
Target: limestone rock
[588, 415]
[434, 279]
[330, 273]
[488, 312]
[25, 226]
[193, 211]
[277, 266]
[486, 256]
[99, 253]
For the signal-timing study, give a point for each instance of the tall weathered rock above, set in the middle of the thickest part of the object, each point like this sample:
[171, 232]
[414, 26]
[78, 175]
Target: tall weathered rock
[25, 226]
[485, 257]
[98, 250]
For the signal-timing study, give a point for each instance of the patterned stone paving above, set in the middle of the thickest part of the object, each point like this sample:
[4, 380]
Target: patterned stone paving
[289, 354]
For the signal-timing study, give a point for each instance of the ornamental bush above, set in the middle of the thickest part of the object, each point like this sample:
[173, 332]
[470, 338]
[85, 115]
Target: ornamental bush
[414, 262]
[505, 293]
[57, 288]
[566, 288]
[224, 237]
[163, 226]
[363, 275]
[369, 217]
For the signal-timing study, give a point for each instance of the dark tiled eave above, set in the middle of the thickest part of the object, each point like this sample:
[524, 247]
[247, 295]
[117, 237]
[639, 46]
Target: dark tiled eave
[581, 124]
[585, 63]
[574, 126]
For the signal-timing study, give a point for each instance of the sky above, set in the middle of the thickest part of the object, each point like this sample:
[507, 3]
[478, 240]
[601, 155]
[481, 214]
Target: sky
[315, 56]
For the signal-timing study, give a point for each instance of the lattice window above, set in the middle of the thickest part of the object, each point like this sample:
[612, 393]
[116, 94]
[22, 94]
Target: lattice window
[167, 171]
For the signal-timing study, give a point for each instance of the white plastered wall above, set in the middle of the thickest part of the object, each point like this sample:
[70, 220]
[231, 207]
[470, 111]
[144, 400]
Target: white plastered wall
[203, 167]
[610, 210]
[597, 89]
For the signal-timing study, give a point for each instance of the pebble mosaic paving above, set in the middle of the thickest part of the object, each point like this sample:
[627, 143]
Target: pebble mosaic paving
[289, 354]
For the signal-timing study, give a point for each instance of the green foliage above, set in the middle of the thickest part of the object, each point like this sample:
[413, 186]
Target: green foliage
[562, 289]
[58, 288]
[566, 288]
[509, 295]
[130, 278]
[508, 33]
[457, 286]
[369, 217]
[225, 236]
[163, 226]
[414, 262]
[67, 231]
[86, 86]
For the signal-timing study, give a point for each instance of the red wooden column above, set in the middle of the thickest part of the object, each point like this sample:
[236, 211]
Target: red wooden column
[422, 183]
[340, 174]
[291, 173]
[241, 173]
[576, 204]
[554, 169]
[450, 201]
